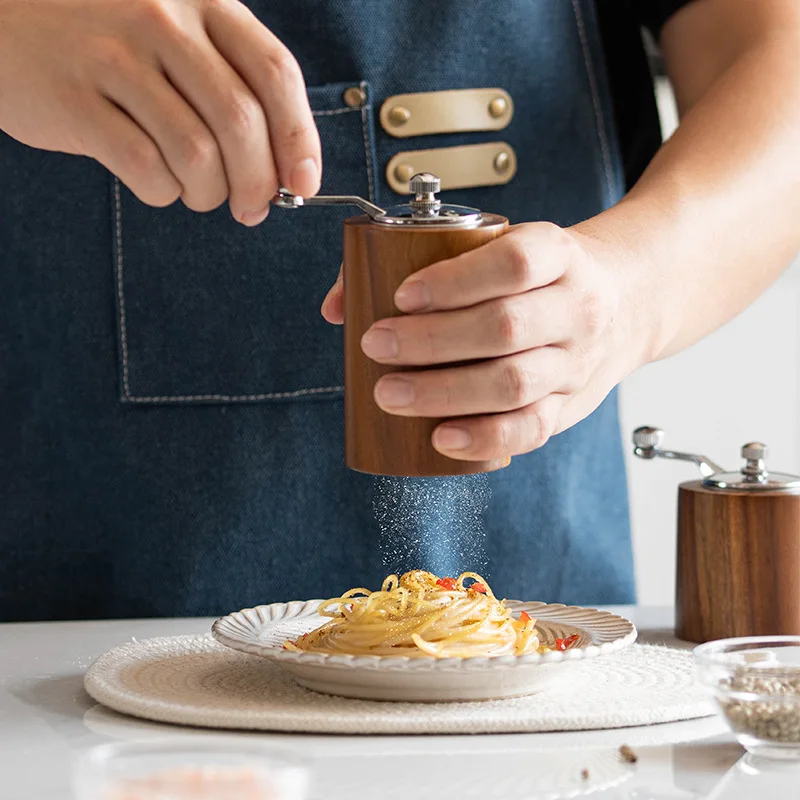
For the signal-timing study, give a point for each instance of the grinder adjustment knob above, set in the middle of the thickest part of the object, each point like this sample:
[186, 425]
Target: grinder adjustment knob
[424, 183]
[754, 454]
[424, 186]
[754, 451]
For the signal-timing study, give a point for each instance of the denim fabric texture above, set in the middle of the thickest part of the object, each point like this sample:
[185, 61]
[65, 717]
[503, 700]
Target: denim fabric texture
[172, 424]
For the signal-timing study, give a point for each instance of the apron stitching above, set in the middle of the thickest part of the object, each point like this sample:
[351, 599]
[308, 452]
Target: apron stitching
[235, 397]
[126, 388]
[598, 110]
[367, 149]
[333, 111]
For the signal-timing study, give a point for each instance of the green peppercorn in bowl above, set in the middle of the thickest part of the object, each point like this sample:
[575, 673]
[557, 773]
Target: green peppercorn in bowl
[756, 684]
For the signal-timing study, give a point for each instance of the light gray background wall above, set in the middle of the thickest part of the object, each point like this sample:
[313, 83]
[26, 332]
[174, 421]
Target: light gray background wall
[738, 385]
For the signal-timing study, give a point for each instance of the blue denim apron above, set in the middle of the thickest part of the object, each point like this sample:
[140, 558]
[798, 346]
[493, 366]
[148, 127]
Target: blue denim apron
[171, 399]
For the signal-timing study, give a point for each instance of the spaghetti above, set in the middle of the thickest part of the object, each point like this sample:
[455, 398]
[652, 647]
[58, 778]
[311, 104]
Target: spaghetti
[420, 614]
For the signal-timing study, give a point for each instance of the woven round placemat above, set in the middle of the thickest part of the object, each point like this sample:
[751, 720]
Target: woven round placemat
[193, 680]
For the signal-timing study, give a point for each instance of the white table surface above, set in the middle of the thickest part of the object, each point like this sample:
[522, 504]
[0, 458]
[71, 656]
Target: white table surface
[46, 719]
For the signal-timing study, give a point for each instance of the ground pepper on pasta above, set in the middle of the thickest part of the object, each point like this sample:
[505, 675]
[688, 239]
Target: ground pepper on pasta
[421, 614]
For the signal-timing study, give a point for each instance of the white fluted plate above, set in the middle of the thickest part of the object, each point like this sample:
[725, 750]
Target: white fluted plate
[263, 630]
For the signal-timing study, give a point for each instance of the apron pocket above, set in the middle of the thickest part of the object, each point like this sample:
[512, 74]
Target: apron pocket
[209, 311]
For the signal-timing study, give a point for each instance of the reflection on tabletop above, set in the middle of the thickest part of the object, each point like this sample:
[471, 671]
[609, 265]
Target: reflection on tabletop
[754, 777]
[677, 761]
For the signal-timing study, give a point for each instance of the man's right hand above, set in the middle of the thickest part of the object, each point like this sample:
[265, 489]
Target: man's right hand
[189, 99]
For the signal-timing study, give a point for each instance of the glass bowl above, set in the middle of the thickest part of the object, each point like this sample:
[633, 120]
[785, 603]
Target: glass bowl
[755, 681]
[184, 769]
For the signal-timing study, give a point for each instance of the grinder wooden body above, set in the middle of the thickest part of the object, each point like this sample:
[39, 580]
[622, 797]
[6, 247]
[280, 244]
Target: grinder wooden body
[376, 260]
[738, 563]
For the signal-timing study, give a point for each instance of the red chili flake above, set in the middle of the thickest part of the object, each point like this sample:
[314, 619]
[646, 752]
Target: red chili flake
[563, 644]
[478, 587]
[524, 616]
[447, 583]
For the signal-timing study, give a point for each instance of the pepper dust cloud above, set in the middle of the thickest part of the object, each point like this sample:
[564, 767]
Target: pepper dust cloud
[435, 524]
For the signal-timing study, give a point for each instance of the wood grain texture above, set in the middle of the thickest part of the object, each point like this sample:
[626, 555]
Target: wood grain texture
[377, 259]
[738, 565]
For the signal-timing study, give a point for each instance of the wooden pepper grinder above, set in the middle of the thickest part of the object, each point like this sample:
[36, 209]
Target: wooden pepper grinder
[381, 249]
[738, 564]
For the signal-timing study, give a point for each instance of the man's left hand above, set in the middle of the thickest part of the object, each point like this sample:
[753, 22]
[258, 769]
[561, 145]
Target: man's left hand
[539, 317]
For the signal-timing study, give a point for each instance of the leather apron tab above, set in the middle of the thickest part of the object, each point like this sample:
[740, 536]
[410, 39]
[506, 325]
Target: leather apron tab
[450, 111]
[462, 167]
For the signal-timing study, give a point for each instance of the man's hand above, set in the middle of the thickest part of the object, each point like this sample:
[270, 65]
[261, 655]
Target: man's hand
[540, 315]
[189, 99]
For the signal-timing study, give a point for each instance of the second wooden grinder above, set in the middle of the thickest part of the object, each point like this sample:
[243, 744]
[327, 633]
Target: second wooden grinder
[738, 559]
[381, 249]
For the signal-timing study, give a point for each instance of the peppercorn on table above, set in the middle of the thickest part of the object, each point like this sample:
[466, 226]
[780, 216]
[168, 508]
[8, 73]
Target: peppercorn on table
[47, 722]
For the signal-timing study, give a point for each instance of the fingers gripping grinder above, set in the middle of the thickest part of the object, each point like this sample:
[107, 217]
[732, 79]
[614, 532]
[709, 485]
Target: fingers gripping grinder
[738, 560]
[381, 249]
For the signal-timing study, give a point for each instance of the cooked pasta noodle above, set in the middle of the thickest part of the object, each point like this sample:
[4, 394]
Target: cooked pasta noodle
[420, 614]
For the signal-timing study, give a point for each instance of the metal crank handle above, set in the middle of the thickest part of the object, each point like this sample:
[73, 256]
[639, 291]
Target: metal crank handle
[285, 199]
[647, 444]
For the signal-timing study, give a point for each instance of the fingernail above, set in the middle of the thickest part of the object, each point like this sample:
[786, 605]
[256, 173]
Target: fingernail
[305, 178]
[251, 218]
[448, 437]
[394, 392]
[412, 296]
[380, 343]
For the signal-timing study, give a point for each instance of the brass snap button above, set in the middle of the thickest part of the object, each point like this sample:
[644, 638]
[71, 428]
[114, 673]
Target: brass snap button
[399, 115]
[354, 97]
[404, 172]
[502, 161]
[498, 106]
